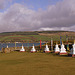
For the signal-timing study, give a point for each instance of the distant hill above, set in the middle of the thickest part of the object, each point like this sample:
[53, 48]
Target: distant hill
[33, 32]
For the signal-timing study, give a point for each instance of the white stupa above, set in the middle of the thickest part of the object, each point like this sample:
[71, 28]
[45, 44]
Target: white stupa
[72, 53]
[46, 49]
[33, 49]
[62, 50]
[22, 49]
[57, 49]
[7, 46]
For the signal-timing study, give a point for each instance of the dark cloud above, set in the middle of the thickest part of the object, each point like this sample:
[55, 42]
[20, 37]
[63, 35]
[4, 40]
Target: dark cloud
[57, 17]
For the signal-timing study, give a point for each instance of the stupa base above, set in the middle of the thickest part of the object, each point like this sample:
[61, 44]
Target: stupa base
[32, 51]
[22, 51]
[63, 53]
[56, 51]
[73, 55]
[47, 51]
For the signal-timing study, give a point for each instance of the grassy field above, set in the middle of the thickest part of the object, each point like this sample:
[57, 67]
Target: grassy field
[17, 63]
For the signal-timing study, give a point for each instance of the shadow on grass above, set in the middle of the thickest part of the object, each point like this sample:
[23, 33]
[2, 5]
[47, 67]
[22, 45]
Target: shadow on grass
[62, 55]
[57, 54]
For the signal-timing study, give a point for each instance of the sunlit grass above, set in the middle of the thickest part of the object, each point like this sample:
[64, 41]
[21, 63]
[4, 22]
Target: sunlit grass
[17, 63]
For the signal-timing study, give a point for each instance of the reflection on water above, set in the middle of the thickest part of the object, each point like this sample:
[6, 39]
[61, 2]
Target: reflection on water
[3, 45]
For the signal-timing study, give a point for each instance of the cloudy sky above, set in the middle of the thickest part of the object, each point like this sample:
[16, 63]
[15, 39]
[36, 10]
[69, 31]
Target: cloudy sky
[31, 15]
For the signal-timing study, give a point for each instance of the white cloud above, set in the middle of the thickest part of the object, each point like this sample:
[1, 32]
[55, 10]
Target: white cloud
[71, 28]
[57, 17]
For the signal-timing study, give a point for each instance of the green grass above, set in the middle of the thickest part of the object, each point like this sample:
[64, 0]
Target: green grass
[17, 63]
[41, 37]
[32, 38]
[9, 38]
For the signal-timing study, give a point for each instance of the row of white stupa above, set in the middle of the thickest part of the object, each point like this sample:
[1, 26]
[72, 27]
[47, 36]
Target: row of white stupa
[61, 50]
[34, 50]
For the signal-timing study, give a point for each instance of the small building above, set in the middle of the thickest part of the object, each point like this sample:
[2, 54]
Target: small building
[46, 49]
[22, 49]
[62, 50]
[72, 53]
[57, 49]
[6, 50]
[33, 50]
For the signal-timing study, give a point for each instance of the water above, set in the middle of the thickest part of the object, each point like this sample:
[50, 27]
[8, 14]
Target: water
[4, 45]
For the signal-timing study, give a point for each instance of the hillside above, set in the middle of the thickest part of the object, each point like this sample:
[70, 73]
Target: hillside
[35, 36]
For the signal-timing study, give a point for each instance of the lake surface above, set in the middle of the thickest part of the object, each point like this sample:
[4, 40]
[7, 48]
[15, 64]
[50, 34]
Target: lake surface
[4, 45]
